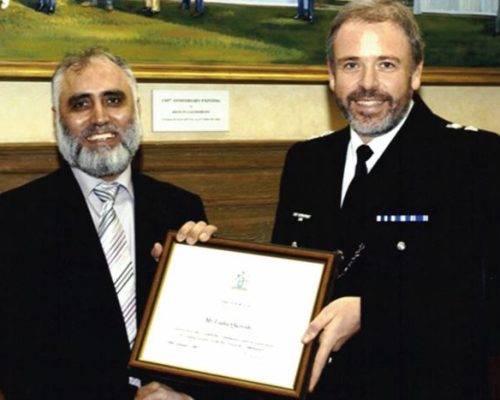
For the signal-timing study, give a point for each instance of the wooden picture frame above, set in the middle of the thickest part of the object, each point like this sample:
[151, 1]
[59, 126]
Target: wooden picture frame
[212, 314]
[268, 73]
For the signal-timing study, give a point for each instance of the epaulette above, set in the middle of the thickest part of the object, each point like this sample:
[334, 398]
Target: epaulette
[455, 125]
[321, 135]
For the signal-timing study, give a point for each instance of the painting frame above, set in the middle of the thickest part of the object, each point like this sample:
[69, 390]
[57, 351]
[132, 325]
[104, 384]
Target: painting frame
[311, 69]
[20, 70]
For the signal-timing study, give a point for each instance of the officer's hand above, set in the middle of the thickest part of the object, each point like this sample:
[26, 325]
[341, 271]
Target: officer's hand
[335, 324]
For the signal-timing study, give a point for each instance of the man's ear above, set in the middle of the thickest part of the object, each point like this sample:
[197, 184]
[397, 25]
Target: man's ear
[331, 75]
[139, 108]
[416, 76]
[54, 116]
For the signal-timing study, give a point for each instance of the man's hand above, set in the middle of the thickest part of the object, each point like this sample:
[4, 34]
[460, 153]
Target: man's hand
[335, 324]
[191, 232]
[158, 391]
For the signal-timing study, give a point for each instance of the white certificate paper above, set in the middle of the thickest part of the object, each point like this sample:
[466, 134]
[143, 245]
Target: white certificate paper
[236, 315]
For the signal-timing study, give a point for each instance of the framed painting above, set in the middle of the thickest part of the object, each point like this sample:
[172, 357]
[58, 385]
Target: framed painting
[230, 40]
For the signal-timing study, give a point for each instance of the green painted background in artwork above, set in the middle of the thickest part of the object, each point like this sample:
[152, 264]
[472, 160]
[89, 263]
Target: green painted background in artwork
[227, 34]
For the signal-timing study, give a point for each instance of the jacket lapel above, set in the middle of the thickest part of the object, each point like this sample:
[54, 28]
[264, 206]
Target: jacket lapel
[394, 180]
[334, 168]
[148, 230]
[85, 284]
[337, 160]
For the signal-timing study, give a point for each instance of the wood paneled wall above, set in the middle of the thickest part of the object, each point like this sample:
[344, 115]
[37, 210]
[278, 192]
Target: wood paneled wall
[238, 181]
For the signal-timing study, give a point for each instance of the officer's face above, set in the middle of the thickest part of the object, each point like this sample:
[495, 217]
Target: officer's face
[97, 124]
[372, 75]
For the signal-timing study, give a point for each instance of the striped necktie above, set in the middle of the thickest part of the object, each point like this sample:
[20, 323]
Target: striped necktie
[116, 250]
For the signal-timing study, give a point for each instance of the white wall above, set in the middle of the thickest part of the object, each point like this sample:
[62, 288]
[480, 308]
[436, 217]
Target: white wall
[257, 111]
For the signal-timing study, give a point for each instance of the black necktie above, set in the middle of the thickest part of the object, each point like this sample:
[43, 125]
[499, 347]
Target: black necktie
[353, 212]
[355, 193]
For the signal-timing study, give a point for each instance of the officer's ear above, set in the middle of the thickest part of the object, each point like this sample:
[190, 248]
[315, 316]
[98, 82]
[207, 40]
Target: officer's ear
[416, 76]
[331, 74]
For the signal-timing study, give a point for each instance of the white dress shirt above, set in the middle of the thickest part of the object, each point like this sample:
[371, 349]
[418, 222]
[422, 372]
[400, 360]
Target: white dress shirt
[378, 145]
[124, 202]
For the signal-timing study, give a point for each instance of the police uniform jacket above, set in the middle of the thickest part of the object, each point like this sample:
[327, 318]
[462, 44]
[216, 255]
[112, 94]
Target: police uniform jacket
[429, 231]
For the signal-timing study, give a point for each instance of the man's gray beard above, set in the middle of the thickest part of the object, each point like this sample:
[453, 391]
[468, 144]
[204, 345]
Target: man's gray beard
[371, 128]
[102, 161]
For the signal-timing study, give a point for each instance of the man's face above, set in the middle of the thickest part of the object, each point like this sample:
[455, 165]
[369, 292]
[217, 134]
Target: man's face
[97, 125]
[372, 76]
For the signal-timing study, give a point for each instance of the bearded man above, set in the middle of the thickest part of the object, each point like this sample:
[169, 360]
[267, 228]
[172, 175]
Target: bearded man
[411, 200]
[76, 265]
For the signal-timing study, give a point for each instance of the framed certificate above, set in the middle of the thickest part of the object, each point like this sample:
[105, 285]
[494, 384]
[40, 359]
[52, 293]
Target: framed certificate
[233, 313]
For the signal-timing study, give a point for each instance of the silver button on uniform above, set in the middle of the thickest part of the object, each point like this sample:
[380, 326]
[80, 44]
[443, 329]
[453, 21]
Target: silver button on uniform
[401, 246]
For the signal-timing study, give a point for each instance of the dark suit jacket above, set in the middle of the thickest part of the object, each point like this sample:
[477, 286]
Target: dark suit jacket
[62, 333]
[423, 284]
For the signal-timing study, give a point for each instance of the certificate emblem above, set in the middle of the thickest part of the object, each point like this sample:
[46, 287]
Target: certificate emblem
[241, 281]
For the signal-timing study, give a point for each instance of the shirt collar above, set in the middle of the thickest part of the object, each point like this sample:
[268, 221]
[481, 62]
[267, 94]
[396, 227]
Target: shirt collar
[380, 143]
[88, 183]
